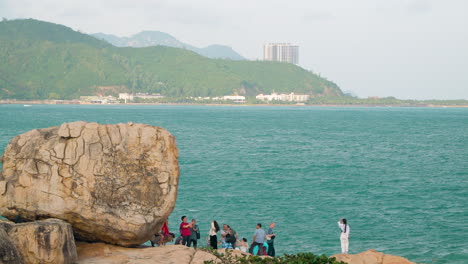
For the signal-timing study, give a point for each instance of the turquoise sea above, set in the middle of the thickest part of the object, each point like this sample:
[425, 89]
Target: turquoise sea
[399, 175]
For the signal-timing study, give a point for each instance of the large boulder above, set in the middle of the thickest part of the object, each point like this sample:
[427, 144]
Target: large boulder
[112, 183]
[44, 242]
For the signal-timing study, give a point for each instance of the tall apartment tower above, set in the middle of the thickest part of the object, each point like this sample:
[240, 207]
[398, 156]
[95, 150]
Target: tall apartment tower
[284, 52]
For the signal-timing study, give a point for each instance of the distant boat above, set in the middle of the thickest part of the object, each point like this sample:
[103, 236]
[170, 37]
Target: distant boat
[27, 105]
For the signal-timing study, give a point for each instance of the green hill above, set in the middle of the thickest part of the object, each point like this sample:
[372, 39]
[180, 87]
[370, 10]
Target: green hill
[40, 60]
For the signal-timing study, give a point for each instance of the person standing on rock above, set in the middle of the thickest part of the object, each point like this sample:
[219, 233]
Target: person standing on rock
[225, 235]
[344, 237]
[214, 234]
[194, 234]
[270, 237]
[258, 240]
[231, 238]
[185, 231]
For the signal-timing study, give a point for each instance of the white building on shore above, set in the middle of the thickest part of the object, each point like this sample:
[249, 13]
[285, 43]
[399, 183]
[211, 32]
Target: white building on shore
[126, 96]
[238, 99]
[131, 97]
[93, 99]
[283, 97]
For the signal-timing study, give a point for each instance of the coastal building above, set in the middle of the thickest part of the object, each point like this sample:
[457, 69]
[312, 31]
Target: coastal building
[238, 99]
[200, 98]
[126, 96]
[131, 97]
[93, 99]
[235, 98]
[283, 97]
[282, 52]
[148, 96]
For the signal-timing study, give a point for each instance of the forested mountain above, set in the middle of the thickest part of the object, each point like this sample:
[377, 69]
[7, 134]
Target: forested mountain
[40, 60]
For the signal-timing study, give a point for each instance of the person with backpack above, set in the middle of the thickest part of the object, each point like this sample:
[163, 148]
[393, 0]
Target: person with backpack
[344, 237]
[194, 234]
[232, 237]
[226, 237]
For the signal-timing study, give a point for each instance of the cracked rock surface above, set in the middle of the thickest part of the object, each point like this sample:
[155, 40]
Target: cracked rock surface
[112, 183]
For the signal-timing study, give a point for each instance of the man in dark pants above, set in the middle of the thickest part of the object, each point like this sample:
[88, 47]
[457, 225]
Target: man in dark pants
[270, 237]
[258, 239]
[194, 233]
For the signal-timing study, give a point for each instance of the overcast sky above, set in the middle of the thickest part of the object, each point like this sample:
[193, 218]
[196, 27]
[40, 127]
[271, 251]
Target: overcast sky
[414, 49]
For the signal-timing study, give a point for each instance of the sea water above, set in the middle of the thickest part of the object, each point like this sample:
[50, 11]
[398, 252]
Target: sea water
[399, 175]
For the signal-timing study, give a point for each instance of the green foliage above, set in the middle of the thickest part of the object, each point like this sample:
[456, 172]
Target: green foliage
[40, 60]
[301, 258]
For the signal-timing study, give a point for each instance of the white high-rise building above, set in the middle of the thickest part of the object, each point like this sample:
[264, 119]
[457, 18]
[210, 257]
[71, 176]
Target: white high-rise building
[284, 52]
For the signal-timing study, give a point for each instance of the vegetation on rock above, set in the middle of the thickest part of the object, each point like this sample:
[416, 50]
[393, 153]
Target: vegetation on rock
[299, 258]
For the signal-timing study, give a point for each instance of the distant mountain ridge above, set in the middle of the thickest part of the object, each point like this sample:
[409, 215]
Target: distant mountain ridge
[156, 38]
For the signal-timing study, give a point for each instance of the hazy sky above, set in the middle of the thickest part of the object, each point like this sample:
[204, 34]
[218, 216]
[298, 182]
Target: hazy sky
[404, 48]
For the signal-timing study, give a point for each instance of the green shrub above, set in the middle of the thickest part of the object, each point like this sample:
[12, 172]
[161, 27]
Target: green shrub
[300, 258]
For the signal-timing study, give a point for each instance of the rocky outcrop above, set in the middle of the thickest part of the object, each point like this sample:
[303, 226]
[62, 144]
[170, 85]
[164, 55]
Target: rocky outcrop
[44, 242]
[100, 253]
[371, 257]
[41, 242]
[112, 183]
[9, 254]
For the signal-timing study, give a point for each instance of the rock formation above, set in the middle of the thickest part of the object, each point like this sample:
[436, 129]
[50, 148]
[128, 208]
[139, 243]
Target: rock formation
[371, 257]
[9, 254]
[100, 253]
[44, 242]
[112, 183]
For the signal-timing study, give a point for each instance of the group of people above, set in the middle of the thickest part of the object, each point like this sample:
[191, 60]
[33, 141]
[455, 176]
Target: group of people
[262, 241]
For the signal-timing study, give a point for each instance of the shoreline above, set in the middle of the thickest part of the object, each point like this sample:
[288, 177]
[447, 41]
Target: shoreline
[46, 102]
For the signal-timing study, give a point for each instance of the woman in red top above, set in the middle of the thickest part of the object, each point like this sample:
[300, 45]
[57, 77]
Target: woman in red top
[162, 236]
[165, 229]
[185, 230]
